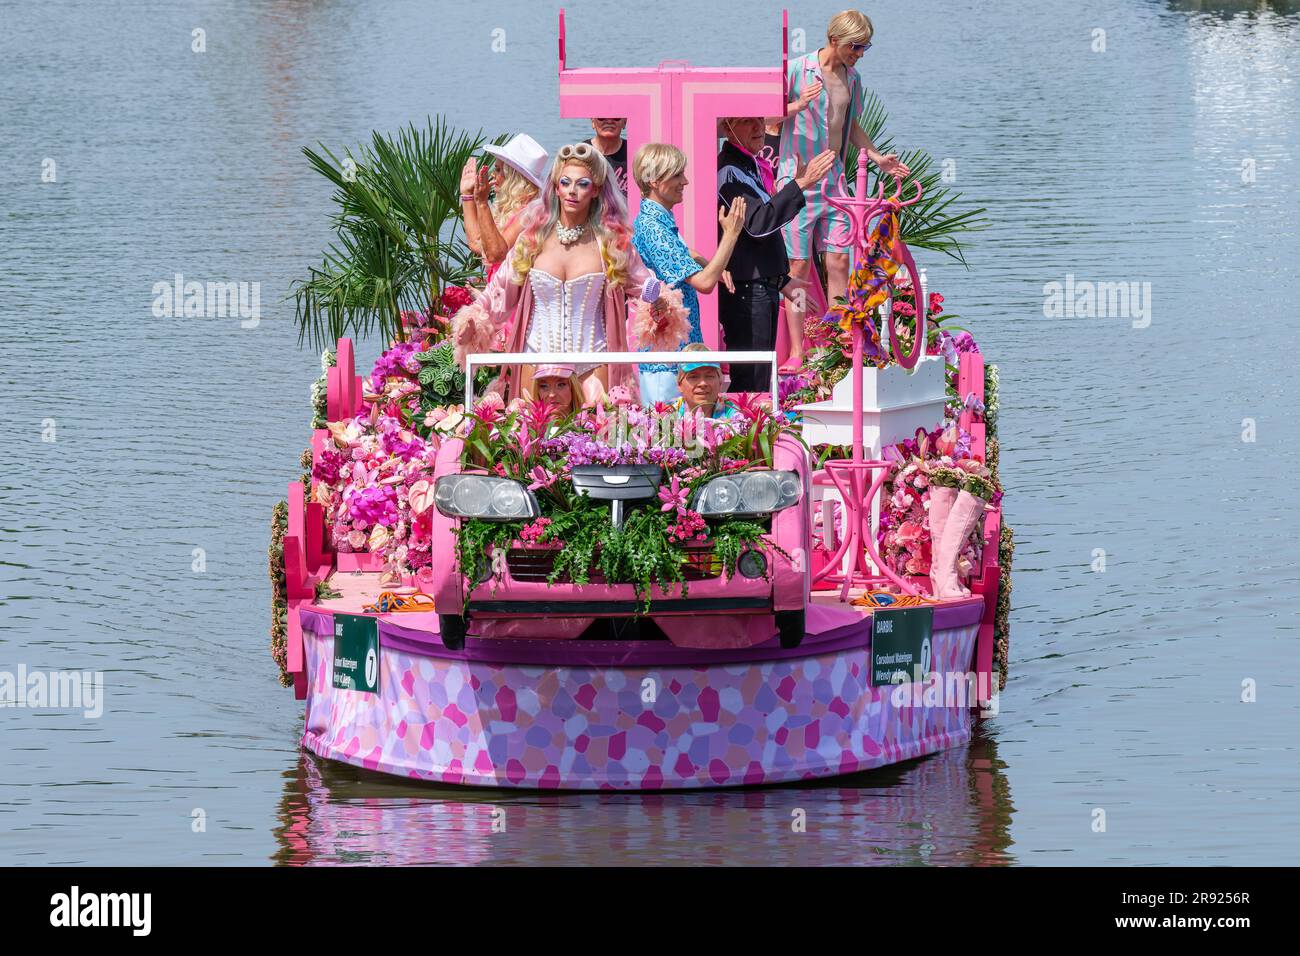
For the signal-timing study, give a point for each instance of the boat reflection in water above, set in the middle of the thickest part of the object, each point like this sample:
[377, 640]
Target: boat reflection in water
[950, 808]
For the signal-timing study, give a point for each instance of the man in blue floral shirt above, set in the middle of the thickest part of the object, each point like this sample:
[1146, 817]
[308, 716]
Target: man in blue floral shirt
[660, 172]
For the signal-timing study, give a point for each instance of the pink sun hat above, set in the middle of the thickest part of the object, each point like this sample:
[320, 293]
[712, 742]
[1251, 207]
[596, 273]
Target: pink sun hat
[554, 371]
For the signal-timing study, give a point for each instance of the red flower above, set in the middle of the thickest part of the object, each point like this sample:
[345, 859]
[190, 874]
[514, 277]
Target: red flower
[454, 298]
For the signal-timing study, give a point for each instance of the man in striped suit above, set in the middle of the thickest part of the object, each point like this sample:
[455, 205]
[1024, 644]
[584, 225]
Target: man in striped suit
[827, 97]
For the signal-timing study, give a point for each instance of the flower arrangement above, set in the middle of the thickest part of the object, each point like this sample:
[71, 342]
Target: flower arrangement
[377, 461]
[532, 444]
[920, 464]
[830, 336]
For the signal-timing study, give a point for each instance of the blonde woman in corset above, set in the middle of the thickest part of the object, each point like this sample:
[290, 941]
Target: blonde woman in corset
[565, 283]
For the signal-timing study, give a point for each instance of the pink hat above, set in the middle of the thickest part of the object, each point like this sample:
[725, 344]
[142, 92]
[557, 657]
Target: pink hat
[554, 371]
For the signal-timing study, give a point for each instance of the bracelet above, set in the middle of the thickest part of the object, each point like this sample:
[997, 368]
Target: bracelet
[464, 197]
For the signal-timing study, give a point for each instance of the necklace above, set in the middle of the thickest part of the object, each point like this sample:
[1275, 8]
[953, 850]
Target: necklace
[568, 236]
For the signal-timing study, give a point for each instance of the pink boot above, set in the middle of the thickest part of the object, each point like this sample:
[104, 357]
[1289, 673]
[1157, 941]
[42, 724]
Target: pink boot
[941, 499]
[962, 518]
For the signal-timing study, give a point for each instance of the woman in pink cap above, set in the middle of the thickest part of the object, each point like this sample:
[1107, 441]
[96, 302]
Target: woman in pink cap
[565, 284]
[558, 386]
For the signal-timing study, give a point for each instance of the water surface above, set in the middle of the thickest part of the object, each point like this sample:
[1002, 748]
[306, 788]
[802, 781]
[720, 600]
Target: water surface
[1118, 442]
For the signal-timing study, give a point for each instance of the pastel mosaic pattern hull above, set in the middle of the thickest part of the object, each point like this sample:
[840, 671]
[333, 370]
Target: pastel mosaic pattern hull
[581, 727]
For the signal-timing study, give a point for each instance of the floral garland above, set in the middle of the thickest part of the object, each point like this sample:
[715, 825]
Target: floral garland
[279, 591]
[872, 283]
[320, 391]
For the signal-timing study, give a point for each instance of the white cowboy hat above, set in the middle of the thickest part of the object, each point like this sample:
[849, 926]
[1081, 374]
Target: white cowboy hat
[524, 154]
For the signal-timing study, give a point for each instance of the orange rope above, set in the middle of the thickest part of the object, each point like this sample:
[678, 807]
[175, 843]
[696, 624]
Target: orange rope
[390, 603]
[883, 599]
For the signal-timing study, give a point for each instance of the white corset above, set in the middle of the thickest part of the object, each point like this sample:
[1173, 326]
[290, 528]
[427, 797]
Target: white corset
[567, 316]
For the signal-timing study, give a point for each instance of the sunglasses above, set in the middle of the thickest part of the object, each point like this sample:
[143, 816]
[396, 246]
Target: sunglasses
[860, 47]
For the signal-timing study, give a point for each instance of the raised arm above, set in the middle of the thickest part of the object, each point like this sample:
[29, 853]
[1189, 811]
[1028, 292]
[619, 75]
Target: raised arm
[469, 207]
[496, 242]
[764, 218]
[733, 222]
[803, 98]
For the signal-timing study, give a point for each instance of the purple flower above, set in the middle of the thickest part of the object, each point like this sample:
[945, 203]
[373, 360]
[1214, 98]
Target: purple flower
[400, 360]
[399, 442]
[371, 506]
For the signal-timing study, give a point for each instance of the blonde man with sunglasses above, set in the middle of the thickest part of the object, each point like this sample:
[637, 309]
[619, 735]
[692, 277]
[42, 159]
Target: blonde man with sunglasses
[826, 99]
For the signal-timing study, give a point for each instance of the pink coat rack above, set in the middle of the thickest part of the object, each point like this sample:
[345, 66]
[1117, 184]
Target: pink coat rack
[857, 480]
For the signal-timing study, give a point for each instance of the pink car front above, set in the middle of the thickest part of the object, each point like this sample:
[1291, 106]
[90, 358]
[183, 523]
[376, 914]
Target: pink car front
[765, 597]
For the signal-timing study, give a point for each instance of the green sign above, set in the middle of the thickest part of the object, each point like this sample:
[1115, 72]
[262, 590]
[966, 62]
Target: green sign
[356, 653]
[900, 645]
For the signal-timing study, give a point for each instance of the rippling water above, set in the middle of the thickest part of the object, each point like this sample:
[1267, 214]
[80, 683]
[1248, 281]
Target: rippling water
[1168, 158]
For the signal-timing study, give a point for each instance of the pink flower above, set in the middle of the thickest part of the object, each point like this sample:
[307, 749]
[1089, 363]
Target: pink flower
[909, 532]
[690, 526]
[917, 564]
[674, 496]
[542, 479]
[533, 532]
[489, 409]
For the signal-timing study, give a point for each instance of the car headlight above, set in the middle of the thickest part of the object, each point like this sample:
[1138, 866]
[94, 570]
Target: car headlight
[484, 497]
[749, 493]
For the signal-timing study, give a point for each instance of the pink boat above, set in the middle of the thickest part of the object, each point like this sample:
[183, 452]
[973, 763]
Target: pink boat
[800, 653]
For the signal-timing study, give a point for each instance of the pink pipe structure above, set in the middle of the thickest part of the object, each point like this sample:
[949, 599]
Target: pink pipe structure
[850, 476]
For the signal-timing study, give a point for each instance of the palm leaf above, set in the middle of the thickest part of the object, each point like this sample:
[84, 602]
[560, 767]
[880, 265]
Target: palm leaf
[937, 222]
[398, 232]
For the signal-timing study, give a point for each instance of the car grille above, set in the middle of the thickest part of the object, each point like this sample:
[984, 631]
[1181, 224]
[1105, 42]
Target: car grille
[536, 564]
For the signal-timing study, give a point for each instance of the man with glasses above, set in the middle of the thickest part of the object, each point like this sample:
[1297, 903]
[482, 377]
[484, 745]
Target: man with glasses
[826, 99]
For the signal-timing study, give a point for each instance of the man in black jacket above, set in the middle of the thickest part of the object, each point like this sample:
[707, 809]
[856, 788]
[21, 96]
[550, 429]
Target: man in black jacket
[759, 267]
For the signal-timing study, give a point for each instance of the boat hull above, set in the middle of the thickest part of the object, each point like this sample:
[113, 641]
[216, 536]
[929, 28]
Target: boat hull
[592, 715]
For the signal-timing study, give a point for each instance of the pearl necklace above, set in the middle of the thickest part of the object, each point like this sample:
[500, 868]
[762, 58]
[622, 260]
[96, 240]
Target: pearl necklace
[569, 236]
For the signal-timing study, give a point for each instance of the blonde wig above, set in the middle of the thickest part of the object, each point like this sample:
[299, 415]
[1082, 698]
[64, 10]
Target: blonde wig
[515, 193]
[850, 26]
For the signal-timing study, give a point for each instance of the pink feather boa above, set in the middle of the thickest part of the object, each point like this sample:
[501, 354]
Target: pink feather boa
[663, 326]
[472, 329]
